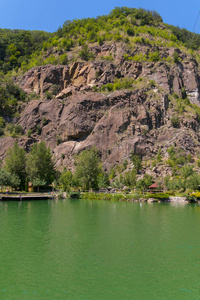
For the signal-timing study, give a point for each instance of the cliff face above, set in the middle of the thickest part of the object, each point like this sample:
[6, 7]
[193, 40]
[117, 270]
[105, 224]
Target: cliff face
[117, 122]
[82, 76]
[114, 123]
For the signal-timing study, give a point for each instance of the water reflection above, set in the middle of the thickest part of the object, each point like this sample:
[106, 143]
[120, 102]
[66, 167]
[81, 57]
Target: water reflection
[98, 250]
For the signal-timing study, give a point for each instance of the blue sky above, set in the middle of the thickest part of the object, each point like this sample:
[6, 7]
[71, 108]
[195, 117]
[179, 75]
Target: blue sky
[48, 15]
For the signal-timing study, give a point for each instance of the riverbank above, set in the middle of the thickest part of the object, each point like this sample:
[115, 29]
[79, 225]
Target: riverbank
[131, 197]
[25, 197]
[134, 197]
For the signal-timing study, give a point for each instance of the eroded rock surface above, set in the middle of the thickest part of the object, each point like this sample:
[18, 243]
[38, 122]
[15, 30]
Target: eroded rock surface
[118, 122]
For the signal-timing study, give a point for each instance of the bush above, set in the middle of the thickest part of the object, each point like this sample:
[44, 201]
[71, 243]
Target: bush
[191, 198]
[154, 56]
[38, 129]
[14, 129]
[159, 196]
[152, 83]
[85, 54]
[55, 89]
[130, 31]
[175, 121]
[197, 195]
[64, 59]
[29, 132]
[48, 95]
[108, 57]
[136, 160]
[175, 57]
[109, 87]
[45, 121]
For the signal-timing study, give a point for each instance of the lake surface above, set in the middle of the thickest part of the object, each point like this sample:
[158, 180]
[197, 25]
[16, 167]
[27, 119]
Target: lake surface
[79, 249]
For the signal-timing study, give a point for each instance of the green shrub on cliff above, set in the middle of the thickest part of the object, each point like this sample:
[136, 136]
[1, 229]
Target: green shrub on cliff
[136, 160]
[175, 121]
[85, 53]
[10, 96]
[119, 84]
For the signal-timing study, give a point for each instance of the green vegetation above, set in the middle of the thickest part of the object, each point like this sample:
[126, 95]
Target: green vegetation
[158, 196]
[37, 166]
[10, 96]
[145, 182]
[141, 35]
[88, 169]
[66, 180]
[17, 46]
[136, 160]
[122, 83]
[25, 49]
[40, 165]
[15, 163]
[85, 53]
[152, 56]
[188, 38]
[175, 121]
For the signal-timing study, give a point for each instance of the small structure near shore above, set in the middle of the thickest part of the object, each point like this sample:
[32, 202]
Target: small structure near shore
[155, 188]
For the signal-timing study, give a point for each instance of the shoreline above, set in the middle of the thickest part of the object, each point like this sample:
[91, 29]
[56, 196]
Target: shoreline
[131, 198]
[122, 197]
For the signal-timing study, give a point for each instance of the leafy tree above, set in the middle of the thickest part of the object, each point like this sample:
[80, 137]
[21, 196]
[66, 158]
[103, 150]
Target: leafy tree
[4, 177]
[186, 171]
[103, 180]
[15, 181]
[129, 178]
[136, 160]
[66, 180]
[88, 168]
[38, 182]
[145, 182]
[175, 184]
[40, 165]
[15, 163]
[193, 181]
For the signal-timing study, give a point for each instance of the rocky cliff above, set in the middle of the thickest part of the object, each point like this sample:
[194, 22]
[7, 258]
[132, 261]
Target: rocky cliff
[85, 112]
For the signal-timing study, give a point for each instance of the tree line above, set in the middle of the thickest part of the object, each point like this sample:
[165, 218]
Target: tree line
[25, 49]
[37, 166]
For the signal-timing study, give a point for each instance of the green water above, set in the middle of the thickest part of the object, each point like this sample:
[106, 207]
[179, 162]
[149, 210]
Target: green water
[78, 249]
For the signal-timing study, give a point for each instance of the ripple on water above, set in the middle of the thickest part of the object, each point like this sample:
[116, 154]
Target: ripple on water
[99, 250]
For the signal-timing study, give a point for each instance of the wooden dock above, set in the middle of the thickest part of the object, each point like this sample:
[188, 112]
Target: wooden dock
[25, 197]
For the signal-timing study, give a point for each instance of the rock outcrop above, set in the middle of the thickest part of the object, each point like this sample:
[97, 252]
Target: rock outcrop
[139, 119]
[83, 76]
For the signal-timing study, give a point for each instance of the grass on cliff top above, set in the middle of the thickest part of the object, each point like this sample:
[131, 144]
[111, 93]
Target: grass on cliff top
[151, 88]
